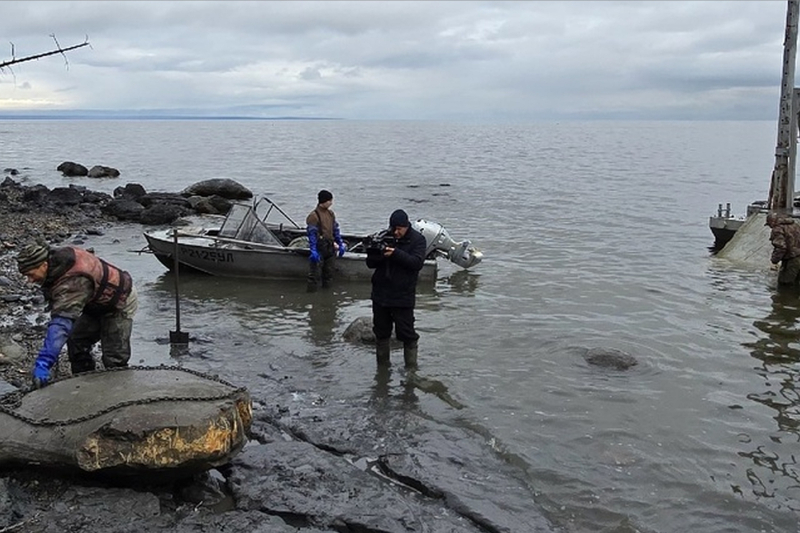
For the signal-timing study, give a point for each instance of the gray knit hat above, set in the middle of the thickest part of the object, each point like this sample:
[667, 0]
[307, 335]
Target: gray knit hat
[31, 256]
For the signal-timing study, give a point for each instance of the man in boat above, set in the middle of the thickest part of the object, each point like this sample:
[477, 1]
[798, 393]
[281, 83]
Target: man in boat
[324, 241]
[89, 299]
[785, 238]
[394, 285]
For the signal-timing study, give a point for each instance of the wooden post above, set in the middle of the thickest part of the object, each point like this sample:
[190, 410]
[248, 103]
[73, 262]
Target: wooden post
[793, 144]
[781, 191]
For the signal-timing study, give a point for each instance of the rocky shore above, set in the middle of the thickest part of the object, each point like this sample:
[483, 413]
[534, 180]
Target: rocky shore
[311, 466]
[67, 215]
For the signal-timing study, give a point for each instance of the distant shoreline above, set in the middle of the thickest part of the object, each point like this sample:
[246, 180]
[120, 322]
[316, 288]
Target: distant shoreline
[149, 117]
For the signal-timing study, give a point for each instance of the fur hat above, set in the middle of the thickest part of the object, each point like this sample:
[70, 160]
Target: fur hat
[323, 196]
[31, 256]
[398, 219]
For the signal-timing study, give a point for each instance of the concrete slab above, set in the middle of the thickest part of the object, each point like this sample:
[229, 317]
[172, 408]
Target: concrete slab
[750, 246]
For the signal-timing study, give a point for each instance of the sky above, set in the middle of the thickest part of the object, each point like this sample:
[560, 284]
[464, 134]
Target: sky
[405, 60]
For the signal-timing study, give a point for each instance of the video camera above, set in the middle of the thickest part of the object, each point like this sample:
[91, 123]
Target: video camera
[376, 244]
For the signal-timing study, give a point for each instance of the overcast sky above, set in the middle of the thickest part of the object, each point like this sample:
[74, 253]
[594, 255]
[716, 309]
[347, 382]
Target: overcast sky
[488, 60]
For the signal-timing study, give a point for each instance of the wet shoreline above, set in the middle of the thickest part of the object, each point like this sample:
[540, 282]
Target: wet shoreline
[309, 466]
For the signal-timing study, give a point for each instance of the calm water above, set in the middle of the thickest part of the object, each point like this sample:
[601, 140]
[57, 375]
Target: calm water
[595, 236]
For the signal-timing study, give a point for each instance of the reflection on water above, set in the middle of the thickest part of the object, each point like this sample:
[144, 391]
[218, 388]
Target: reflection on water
[266, 307]
[383, 398]
[775, 473]
[463, 282]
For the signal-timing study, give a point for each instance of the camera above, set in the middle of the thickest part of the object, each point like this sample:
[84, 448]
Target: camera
[377, 243]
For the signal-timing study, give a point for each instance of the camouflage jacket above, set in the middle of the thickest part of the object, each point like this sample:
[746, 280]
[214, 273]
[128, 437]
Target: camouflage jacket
[785, 238]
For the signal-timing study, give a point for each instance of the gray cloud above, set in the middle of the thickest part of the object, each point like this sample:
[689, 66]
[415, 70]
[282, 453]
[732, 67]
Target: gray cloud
[400, 60]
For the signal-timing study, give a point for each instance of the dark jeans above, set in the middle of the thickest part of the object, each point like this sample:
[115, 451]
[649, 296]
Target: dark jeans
[323, 270]
[113, 331]
[402, 318]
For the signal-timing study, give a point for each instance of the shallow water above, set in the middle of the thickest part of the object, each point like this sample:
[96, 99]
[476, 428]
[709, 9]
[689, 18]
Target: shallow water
[594, 234]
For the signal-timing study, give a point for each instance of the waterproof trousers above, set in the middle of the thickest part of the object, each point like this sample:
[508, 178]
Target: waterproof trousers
[790, 271]
[321, 273]
[112, 330]
[401, 319]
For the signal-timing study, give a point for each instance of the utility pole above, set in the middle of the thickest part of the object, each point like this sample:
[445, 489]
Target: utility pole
[781, 192]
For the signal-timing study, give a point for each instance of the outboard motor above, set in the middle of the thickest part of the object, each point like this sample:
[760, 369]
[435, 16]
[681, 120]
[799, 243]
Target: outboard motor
[461, 253]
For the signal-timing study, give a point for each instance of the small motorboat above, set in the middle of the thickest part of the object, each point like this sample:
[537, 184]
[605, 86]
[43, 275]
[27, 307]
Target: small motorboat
[247, 244]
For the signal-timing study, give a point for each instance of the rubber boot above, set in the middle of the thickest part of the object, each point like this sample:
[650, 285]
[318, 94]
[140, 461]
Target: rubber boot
[382, 350]
[83, 365]
[410, 354]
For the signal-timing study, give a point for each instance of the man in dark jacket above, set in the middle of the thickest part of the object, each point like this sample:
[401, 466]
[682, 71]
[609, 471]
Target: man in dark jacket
[785, 238]
[394, 286]
[90, 300]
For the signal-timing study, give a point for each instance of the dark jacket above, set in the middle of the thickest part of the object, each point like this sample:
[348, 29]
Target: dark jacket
[394, 282]
[785, 237]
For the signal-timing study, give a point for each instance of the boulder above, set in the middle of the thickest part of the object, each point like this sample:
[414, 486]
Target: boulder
[213, 205]
[100, 171]
[360, 331]
[224, 187]
[37, 195]
[157, 214]
[124, 209]
[168, 198]
[610, 358]
[65, 196]
[69, 168]
[131, 191]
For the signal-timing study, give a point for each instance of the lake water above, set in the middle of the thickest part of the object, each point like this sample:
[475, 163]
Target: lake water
[595, 235]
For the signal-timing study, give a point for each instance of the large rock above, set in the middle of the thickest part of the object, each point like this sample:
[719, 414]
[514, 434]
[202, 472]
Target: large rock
[168, 198]
[157, 214]
[69, 168]
[610, 358]
[10, 351]
[213, 205]
[360, 331]
[227, 188]
[330, 494]
[131, 191]
[100, 171]
[66, 196]
[37, 195]
[124, 209]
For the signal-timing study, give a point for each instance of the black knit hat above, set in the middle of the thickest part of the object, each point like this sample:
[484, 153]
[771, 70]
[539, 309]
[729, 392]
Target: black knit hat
[323, 196]
[398, 219]
[31, 256]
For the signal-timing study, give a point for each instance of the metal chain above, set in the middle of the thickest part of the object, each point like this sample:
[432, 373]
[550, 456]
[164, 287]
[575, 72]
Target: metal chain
[9, 402]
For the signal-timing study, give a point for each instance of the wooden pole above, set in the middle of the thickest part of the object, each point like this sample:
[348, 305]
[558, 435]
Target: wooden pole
[781, 191]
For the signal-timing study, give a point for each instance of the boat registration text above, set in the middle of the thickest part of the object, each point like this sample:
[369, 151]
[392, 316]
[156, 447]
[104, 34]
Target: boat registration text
[209, 255]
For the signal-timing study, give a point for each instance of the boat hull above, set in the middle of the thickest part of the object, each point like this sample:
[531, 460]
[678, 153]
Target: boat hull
[208, 256]
[723, 229]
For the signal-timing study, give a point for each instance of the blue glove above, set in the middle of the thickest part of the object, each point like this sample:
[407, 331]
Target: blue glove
[41, 375]
[313, 235]
[58, 331]
[337, 236]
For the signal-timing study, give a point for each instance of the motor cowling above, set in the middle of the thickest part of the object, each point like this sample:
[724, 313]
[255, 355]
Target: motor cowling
[437, 239]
